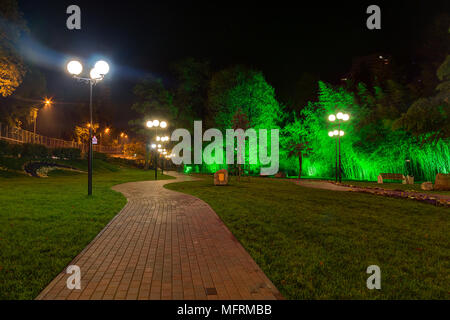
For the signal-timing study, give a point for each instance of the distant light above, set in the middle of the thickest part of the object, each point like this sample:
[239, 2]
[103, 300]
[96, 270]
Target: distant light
[381, 57]
[102, 67]
[339, 115]
[149, 124]
[331, 133]
[153, 146]
[159, 146]
[341, 133]
[95, 75]
[163, 124]
[155, 123]
[345, 117]
[158, 138]
[335, 132]
[331, 117]
[74, 67]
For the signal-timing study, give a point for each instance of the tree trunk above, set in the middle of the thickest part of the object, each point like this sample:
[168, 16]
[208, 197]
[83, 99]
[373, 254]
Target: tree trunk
[299, 166]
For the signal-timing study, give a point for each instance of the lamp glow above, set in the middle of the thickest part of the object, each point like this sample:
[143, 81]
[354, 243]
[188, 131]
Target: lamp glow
[102, 67]
[155, 123]
[163, 124]
[341, 133]
[345, 117]
[339, 115]
[331, 133]
[331, 117]
[153, 146]
[74, 67]
[95, 75]
[149, 124]
[335, 132]
[158, 138]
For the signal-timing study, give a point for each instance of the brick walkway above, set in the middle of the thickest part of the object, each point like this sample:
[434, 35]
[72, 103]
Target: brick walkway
[164, 245]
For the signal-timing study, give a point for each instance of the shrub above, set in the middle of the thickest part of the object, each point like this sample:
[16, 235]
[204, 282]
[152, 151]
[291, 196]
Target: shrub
[67, 153]
[100, 156]
[15, 150]
[30, 150]
[4, 147]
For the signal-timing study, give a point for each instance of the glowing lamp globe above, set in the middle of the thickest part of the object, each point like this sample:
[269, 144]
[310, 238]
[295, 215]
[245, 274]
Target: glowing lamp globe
[153, 146]
[95, 75]
[74, 67]
[332, 117]
[158, 138]
[163, 124]
[340, 115]
[159, 146]
[149, 124]
[102, 67]
[331, 133]
[155, 123]
[345, 117]
[341, 133]
[335, 132]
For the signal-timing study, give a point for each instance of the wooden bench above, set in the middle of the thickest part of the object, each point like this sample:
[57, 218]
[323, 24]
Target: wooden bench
[391, 176]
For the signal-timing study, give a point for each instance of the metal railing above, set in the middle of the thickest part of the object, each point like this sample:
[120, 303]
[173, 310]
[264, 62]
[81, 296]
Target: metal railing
[17, 135]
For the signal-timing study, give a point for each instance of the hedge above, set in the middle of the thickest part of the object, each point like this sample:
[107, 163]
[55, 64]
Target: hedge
[37, 151]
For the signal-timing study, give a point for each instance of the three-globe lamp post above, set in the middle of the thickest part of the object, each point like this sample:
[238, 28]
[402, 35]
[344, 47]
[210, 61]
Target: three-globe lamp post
[154, 124]
[340, 117]
[101, 68]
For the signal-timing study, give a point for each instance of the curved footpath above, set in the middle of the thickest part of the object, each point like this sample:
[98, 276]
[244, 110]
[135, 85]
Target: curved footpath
[164, 245]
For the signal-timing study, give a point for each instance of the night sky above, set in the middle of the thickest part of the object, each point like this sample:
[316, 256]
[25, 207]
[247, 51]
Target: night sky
[282, 39]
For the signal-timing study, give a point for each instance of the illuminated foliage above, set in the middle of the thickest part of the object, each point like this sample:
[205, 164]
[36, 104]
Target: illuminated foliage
[12, 26]
[367, 148]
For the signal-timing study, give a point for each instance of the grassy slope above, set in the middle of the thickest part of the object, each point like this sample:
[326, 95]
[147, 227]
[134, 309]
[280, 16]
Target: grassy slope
[317, 244]
[46, 222]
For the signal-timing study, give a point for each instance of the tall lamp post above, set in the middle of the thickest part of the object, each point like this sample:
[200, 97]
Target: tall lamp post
[35, 111]
[154, 124]
[163, 140]
[338, 134]
[97, 74]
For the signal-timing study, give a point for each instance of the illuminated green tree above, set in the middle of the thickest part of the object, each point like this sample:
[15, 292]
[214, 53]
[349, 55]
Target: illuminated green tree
[239, 87]
[300, 150]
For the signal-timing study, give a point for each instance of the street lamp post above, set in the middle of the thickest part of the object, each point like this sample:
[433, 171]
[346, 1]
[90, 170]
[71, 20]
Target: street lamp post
[97, 74]
[154, 124]
[35, 111]
[338, 133]
[163, 140]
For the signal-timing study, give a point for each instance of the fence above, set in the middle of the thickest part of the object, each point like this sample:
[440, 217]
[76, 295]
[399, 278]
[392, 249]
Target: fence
[17, 135]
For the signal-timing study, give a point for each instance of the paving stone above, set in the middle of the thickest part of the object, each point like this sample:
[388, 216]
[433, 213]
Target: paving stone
[164, 245]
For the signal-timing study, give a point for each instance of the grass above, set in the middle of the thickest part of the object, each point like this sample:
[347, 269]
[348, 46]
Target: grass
[317, 244]
[395, 186]
[46, 222]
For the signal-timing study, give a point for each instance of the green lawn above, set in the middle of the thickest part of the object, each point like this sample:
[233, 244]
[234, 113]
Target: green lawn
[46, 222]
[317, 244]
[395, 186]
